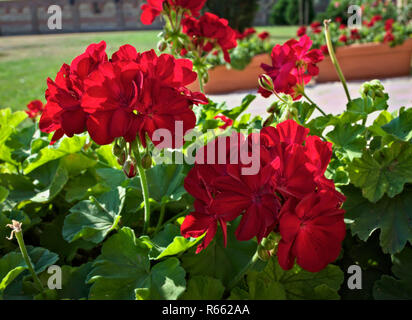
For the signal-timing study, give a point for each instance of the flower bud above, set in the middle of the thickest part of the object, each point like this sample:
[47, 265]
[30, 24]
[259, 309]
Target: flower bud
[147, 161]
[121, 158]
[266, 82]
[117, 151]
[129, 169]
[273, 108]
[269, 120]
[268, 244]
[162, 45]
[263, 254]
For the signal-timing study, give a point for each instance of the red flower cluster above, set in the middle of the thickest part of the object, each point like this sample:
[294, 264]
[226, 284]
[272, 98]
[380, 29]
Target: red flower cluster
[153, 8]
[245, 34]
[354, 34]
[289, 194]
[34, 109]
[227, 121]
[343, 38]
[374, 19]
[263, 35]
[209, 32]
[131, 95]
[293, 66]
[316, 27]
[301, 31]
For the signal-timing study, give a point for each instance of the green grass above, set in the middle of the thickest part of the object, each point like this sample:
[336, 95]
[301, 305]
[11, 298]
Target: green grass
[27, 61]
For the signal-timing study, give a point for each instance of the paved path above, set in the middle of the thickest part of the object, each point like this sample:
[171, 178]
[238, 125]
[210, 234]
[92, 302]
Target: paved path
[329, 96]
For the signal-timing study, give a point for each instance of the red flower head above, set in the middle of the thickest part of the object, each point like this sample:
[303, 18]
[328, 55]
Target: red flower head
[316, 27]
[324, 49]
[389, 24]
[301, 31]
[312, 231]
[342, 26]
[263, 35]
[245, 34]
[210, 31]
[354, 34]
[338, 19]
[389, 37]
[227, 121]
[374, 19]
[63, 112]
[34, 109]
[153, 8]
[343, 38]
[126, 98]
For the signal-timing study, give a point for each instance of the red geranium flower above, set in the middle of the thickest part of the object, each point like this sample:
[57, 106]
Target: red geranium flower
[153, 8]
[34, 109]
[389, 24]
[126, 98]
[301, 31]
[389, 37]
[263, 35]
[316, 27]
[63, 112]
[227, 121]
[343, 38]
[245, 34]
[210, 31]
[312, 231]
[324, 49]
[354, 34]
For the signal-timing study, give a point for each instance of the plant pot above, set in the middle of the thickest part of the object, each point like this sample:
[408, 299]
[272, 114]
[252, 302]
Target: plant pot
[368, 61]
[222, 79]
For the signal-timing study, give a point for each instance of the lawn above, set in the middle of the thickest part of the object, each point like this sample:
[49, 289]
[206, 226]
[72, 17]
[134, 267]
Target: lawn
[27, 61]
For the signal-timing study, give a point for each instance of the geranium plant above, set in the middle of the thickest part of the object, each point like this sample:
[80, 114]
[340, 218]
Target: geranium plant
[139, 188]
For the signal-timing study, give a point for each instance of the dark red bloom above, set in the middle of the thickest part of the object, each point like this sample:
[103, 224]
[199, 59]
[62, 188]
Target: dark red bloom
[210, 31]
[389, 37]
[312, 231]
[324, 49]
[301, 31]
[245, 34]
[343, 38]
[389, 24]
[374, 19]
[354, 34]
[227, 121]
[263, 35]
[342, 26]
[316, 27]
[153, 8]
[34, 109]
[63, 112]
[129, 98]
[338, 19]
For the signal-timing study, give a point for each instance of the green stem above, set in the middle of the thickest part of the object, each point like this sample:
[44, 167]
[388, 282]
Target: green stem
[334, 59]
[145, 188]
[20, 241]
[201, 83]
[314, 104]
[277, 95]
[239, 276]
[161, 217]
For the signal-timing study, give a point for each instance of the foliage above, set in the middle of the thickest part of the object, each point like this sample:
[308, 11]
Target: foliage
[286, 12]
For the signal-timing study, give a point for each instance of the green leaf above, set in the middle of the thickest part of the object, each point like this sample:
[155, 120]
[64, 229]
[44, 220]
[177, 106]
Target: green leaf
[362, 107]
[274, 283]
[74, 286]
[60, 149]
[106, 155]
[392, 216]
[41, 258]
[219, 262]
[168, 242]
[305, 111]
[235, 112]
[165, 182]
[93, 219]
[11, 265]
[4, 193]
[400, 286]
[348, 139]
[123, 271]
[384, 171]
[204, 288]
[8, 123]
[401, 127]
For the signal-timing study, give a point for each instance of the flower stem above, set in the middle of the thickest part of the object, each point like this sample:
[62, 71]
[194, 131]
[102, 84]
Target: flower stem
[334, 59]
[314, 104]
[145, 188]
[239, 276]
[161, 217]
[20, 241]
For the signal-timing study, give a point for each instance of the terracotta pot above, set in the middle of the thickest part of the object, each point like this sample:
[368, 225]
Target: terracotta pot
[222, 79]
[368, 61]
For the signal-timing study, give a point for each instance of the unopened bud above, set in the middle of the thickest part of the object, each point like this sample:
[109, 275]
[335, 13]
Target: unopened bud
[129, 169]
[269, 120]
[268, 244]
[266, 82]
[263, 254]
[162, 45]
[147, 161]
[273, 108]
[117, 151]
[121, 158]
